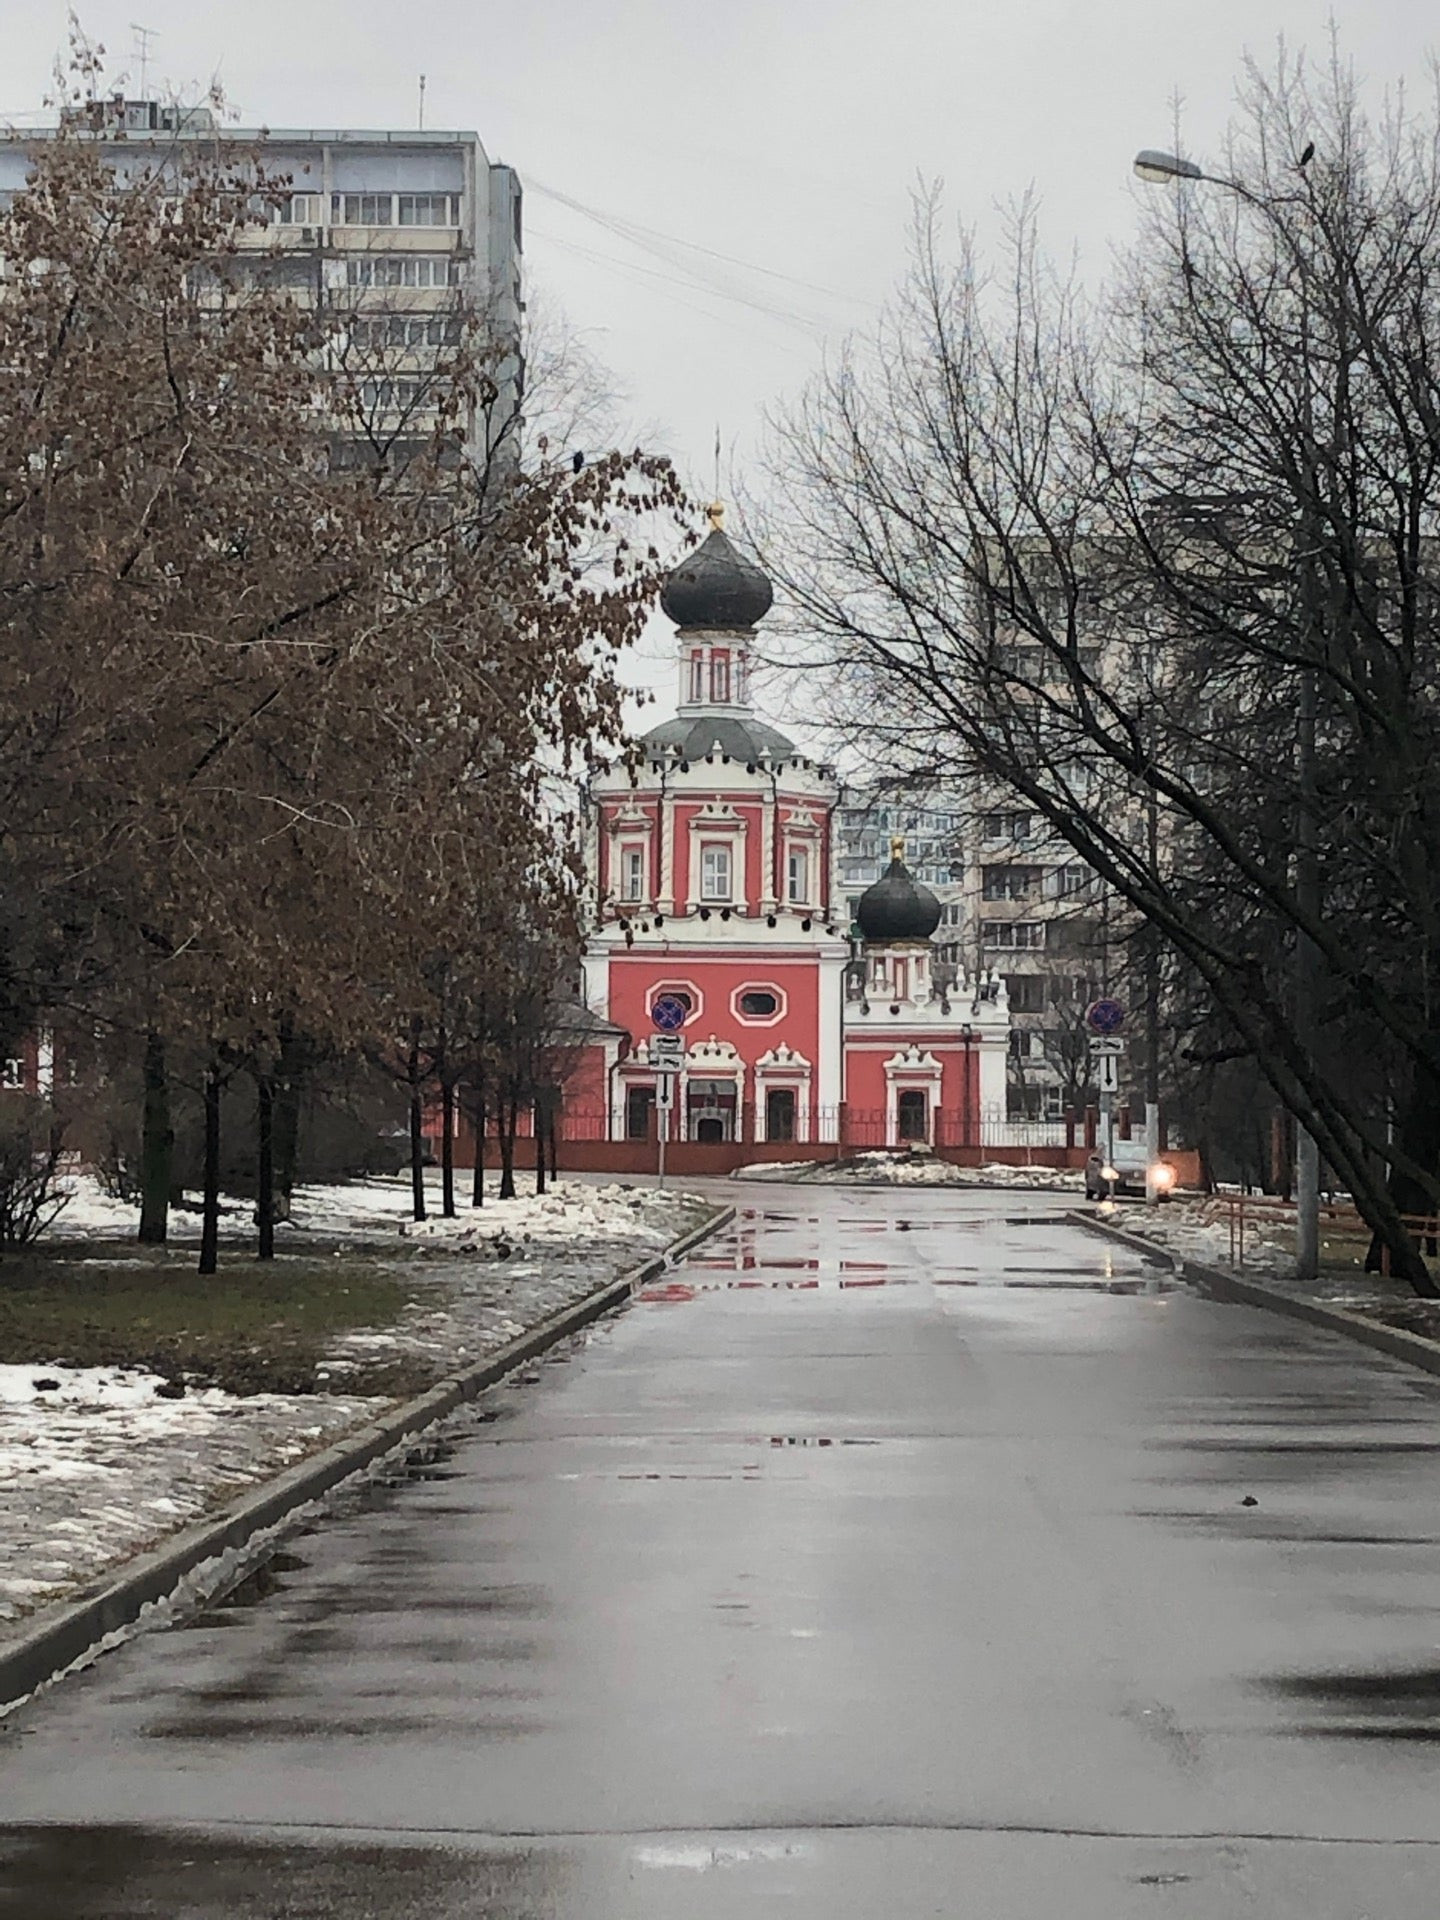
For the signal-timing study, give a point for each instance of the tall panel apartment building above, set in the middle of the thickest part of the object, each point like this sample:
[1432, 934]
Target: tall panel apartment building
[394, 230]
[1015, 902]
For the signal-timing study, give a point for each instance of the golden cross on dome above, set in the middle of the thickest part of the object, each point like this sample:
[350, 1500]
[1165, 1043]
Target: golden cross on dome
[715, 514]
[897, 848]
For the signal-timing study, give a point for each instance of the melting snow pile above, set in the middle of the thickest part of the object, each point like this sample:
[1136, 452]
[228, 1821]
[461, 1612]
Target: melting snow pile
[96, 1465]
[884, 1168]
[1196, 1230]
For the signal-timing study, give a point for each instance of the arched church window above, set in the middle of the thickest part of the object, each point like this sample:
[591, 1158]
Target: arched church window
[697, 675]
[720, 678]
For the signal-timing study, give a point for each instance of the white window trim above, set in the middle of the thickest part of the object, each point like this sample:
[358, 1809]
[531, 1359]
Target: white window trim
[717, 824]
[628, 850]
[697, 998]
[783, 1068]
[782, 1003]
[712, 892]
[911, 1071]
[798, 850]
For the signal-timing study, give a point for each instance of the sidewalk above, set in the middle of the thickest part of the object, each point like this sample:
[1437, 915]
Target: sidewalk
[99, 1463]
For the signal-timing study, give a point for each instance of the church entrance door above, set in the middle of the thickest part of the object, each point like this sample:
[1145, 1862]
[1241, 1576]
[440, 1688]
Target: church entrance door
[780, 1113]
[710, 1107]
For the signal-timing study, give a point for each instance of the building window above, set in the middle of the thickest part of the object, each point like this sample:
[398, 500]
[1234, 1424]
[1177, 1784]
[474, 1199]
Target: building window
[911, 1114]
[428, 209]
[798, 875]
[1011, 883]
[714, 873]
[697, 676]
[632, 873]
[362, 209]
[1026, 991]
[299, 210]
[759, 1004]
[1006, 826]
[1068, 882]
[1019, 935]
[396, 396]
[638, 1103]
[404, 270]
[720, 679]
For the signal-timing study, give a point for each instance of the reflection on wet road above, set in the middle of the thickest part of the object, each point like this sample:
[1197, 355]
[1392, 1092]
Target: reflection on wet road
[910, 1553]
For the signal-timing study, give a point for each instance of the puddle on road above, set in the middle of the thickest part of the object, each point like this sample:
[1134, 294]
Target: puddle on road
[1366, 1704]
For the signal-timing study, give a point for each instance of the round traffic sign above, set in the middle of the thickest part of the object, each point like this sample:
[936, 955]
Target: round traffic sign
[669, 1012]
[1105, 1016]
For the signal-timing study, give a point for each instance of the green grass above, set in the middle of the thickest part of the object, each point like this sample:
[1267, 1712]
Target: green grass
[250, 1328]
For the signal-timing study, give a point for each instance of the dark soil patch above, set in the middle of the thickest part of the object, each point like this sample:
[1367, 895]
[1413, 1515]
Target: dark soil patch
[251, 1328]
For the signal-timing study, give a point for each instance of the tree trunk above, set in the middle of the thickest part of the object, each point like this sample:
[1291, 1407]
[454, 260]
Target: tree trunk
[552, 1134]
[288, 1073]
[509, 1121]
[417, 1136]
[265, 1165]
[477, 1190]
[210, 1222]
[157, 1146]
[1417, 1135]
[447, 1148]
[537, 1122]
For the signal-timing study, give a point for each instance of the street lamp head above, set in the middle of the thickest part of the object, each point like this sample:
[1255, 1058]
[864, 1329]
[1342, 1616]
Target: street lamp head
[1153, 165]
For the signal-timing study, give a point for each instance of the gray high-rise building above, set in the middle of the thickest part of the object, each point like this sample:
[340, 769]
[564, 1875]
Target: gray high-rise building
[396, 232]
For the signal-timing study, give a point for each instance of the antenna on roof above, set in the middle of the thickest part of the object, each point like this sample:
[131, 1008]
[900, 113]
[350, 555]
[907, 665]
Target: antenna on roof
[143, 37]
[422, 103]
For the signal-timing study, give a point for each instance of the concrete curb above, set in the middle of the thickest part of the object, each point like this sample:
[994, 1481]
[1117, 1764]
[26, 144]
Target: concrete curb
[1414, 1348]
[65, 1633]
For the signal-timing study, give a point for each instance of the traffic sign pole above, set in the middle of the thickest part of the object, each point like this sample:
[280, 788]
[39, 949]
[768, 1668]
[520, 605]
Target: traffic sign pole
[667, 1057]
[1105, 1017]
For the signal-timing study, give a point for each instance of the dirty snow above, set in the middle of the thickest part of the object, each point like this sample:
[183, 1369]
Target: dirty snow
[97, 1467]
[100, 1467]
[1199, 1230]
[883, 1168]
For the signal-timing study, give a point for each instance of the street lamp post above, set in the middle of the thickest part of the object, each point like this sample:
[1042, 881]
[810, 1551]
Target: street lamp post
[1155, 166]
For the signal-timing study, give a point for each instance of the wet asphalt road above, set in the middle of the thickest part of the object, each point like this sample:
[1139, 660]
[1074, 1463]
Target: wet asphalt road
[891, 1561]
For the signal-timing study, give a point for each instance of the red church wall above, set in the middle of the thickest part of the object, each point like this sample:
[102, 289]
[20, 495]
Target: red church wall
[586, 1089]
[716, 980]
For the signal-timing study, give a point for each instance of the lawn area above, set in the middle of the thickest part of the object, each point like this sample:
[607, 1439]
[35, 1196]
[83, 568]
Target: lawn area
[250, 1328]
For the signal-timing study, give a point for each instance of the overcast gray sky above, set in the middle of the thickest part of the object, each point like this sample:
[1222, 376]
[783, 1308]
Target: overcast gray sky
[786, 134]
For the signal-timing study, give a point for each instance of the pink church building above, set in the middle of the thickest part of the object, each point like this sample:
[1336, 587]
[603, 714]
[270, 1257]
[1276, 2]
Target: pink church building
[713, 874]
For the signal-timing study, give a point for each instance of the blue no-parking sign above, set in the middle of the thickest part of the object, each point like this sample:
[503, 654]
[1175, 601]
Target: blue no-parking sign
[1105, 1016]
[669, 1012]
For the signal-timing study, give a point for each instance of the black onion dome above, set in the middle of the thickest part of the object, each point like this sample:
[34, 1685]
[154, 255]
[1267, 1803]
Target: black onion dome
[895, 908]
[716, 586]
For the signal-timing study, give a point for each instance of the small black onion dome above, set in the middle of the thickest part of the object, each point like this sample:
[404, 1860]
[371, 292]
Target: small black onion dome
[716, 586]
[895, 908]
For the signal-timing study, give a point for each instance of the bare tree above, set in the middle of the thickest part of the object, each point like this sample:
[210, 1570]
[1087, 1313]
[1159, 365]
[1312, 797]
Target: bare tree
[1166, 568]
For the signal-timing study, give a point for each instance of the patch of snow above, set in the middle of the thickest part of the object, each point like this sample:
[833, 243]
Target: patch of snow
[884, 1167]
[101, 1467]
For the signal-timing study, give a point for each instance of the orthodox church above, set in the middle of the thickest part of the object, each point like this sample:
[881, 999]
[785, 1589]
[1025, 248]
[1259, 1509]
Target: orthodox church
[712, 866]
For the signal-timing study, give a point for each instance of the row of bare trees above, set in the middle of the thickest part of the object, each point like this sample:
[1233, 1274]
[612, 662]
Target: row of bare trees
[285, 695]
[1165, 563]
